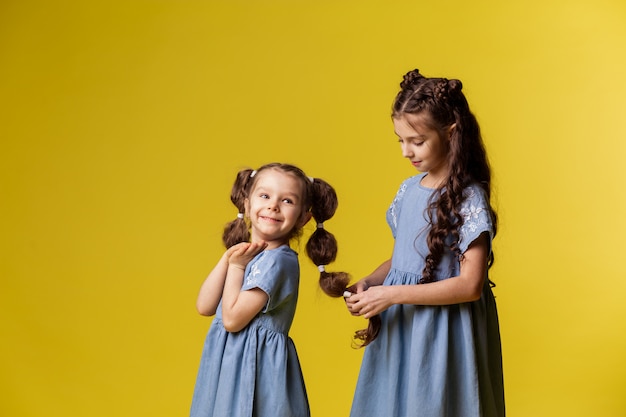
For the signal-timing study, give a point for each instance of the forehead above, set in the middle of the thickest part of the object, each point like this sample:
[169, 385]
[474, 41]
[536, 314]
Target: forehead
[279, 180]
[410, 124]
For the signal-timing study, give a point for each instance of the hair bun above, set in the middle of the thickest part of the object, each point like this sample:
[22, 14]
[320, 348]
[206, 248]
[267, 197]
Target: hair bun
[445, 89]
[411, 78]
[455, 86]
[440, 90]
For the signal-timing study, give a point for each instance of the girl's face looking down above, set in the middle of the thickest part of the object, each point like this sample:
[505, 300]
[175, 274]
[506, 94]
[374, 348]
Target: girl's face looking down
[423, 145]
[275, 207]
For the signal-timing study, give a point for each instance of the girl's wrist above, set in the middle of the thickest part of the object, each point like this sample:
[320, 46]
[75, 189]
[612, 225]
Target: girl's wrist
[237, 266]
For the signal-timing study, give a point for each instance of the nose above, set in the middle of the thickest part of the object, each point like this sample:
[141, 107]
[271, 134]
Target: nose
[272, 204]
[406, 152]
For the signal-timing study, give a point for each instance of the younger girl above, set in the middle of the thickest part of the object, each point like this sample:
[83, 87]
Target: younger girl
[437, 350]
[249, 365]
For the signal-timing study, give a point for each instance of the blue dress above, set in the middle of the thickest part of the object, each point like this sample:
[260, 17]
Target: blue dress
[256, 371]
[432, 361]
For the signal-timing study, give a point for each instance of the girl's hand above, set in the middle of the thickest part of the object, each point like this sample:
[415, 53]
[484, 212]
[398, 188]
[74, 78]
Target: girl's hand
[241, 254]
[213, 286]
[358, 286]
[234, 248]
[370, 302]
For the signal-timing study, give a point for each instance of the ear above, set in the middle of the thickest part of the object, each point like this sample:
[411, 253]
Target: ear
[450, 130]
[305, 219]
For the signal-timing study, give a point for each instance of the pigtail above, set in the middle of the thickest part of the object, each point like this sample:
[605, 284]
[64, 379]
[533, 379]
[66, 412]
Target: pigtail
[237, 231]
[367, 336]
[322, 249]
[322, 245]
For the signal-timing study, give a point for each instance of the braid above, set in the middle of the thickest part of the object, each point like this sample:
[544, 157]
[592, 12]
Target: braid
[440, 90]
[443, 100]
[410, 80]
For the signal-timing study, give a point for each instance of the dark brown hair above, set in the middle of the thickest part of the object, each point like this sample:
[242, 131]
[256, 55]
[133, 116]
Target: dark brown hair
[445, 106]
[319, 197]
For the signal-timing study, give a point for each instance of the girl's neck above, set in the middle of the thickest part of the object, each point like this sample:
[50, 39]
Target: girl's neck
[273, 244]
[432, 181]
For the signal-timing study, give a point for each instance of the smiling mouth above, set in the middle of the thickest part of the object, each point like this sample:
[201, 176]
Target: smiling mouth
[270, 219]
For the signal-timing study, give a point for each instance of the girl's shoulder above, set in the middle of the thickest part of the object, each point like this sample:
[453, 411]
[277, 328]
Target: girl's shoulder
[281, 254]
[271, 267]
[409, 183]
[393, 212]
[286, 251]
[415, 179]
[474, 193]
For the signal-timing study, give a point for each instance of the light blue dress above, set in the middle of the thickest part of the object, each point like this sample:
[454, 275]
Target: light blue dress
[256, 371]
[432, 361]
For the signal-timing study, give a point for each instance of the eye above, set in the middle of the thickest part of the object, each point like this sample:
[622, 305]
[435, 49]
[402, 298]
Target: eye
[263, 195]
[287, 200]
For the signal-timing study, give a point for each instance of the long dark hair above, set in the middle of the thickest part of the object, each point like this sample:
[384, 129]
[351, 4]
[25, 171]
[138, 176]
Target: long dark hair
[445, 106]
[445, 103]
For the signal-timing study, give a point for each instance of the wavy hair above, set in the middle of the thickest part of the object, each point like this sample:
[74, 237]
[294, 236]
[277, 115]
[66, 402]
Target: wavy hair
[443, 103]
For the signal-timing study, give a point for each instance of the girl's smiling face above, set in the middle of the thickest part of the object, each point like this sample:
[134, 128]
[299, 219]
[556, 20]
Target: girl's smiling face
[275, 207]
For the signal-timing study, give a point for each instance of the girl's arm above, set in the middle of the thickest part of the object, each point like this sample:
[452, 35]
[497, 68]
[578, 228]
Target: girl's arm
[465, 287]
[211, 290]
[375, 278]
[240, 307]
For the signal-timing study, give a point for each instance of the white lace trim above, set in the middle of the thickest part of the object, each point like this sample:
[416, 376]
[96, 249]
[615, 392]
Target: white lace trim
[473, 216]
[392, 208]
[251, 279]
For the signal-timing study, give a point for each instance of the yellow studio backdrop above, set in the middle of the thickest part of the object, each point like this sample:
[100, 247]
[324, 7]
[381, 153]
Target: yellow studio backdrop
[123, 124]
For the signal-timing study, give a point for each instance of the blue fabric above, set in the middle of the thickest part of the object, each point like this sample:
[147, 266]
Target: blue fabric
[256, 371]
[432, 361]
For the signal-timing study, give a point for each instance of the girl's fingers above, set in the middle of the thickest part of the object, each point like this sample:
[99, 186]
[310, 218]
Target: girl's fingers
[353, 308]
[257, 247]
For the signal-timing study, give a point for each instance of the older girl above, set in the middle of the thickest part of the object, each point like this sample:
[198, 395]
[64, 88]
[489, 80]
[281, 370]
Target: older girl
[434, 348]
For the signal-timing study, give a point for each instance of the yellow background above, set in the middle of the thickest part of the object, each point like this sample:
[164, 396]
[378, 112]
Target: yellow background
[123, 123]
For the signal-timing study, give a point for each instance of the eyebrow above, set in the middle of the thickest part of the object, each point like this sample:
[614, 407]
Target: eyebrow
[417, 136]
[282, 193]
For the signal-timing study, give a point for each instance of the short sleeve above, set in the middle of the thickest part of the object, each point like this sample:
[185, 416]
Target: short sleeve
[476, 213]
[276, 272]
